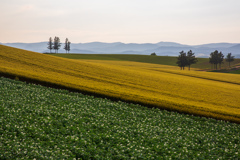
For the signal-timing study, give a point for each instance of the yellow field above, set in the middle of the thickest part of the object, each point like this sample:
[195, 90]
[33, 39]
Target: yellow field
[215, 95]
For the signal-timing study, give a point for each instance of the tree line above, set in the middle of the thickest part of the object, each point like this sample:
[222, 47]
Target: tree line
[216, 59]
[55, 44]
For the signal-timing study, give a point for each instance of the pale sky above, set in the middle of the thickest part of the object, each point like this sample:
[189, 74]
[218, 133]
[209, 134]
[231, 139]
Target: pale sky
[128, 21]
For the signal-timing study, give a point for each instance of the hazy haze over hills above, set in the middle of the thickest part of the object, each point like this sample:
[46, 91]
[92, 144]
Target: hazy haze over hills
[161, 48]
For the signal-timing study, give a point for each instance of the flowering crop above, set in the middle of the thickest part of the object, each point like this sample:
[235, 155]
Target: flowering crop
[200, 93]
[43, 123]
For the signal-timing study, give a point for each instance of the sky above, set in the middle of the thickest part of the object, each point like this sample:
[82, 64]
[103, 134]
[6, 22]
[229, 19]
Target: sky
[129, 21]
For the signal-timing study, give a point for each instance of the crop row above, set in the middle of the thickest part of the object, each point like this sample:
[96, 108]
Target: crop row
[207, 94]
[43, 123]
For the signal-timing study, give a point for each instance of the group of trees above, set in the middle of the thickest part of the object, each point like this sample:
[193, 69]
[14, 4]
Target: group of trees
[186, 59]
[216, 58]
[55, 44]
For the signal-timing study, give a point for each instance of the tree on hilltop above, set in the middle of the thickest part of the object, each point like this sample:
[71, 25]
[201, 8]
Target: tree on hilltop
[213, 59]
[186, 59]
[50, 44]
[67, 45]
[220, 59]
[182, 60]
[56, 44]
[191, 59]
[153, 54]
[229, 58]
[216, 58]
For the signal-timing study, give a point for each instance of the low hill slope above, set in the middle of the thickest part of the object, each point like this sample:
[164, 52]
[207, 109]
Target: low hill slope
[200, 93]
[203, 63]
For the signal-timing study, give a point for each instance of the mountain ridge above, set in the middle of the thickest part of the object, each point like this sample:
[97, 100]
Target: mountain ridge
[160, 48]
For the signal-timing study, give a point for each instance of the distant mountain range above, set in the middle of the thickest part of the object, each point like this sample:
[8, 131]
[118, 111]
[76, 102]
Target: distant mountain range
[161, 48]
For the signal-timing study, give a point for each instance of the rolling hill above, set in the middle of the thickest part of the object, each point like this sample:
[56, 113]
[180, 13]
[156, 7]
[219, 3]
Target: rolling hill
[206, 94]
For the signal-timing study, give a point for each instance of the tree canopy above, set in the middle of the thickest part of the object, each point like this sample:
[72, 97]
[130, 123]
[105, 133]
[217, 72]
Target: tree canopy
[67, 45]
[216, 58]
[186, 59]
[191, 59]
[50, 44]
[229, 58]
[56, 44]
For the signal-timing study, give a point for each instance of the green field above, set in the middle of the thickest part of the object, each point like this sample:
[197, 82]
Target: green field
[203, 63]
[43, 123]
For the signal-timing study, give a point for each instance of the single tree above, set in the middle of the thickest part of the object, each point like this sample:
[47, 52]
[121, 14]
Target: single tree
[56, 44]
[50, 44]
[229, 58]
[66, 45]
[191, 59]
[153, 54]
[213, 59]
[220, 59]
[182, 60]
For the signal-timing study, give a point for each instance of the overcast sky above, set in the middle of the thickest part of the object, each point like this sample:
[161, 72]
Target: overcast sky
[128, 21]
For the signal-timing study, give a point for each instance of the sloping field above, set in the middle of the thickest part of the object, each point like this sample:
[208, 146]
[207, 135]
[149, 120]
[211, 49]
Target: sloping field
[213, 95]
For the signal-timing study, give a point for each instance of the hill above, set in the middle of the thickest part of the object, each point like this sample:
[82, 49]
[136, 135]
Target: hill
[207, 94]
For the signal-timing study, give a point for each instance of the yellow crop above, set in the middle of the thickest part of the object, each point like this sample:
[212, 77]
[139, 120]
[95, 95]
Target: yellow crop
[215, 95]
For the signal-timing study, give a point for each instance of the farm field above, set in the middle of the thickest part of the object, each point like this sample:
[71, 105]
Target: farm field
[203, 63]
[194, 92]
[44, 123]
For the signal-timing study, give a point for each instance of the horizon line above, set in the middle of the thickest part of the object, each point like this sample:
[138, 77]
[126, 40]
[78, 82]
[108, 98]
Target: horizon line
[128, 43]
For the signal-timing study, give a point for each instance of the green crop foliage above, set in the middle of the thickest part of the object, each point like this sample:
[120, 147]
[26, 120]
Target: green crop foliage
[44, 123]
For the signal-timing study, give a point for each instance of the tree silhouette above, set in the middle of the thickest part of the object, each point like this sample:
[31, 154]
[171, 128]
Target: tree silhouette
[191, 59]
[213, 59]
[56, 44]
[182, 60]
[68, 48]
[50, 44]
[67, 45]
[229, 58]
[216, 58]
[220, 59]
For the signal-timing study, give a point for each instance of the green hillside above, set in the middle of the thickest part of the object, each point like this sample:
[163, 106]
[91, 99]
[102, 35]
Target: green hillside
[203, 63]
